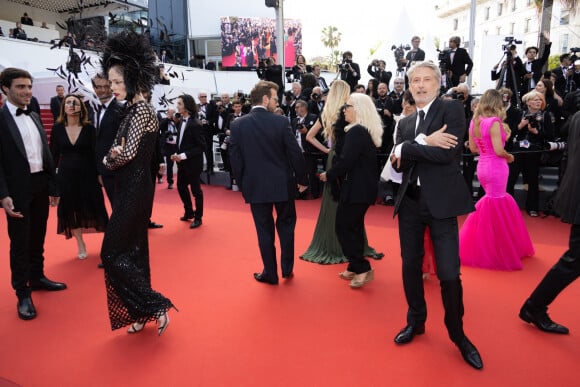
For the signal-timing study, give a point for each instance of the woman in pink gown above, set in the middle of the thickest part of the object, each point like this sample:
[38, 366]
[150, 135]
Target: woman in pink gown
[495, 235]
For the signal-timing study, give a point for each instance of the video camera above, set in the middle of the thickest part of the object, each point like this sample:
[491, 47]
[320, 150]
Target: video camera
[510, 41]
[573, 56]
[399, 53]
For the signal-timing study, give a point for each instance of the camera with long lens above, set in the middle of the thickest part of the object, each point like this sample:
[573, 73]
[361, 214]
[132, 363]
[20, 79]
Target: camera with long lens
[399, 53]
[555, 145]
[534, 119]
[263, 63]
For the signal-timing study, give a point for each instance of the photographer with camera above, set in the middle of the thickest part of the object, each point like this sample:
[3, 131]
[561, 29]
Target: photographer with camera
[268, 70]
[511, 72]
[299, 69]
[533, 66]
[458, 62]
[349, 71]
[415, 54]
[528, 138]
[316, 102]
[376, 69]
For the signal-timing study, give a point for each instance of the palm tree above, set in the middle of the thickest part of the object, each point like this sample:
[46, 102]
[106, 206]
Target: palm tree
[545, 10]
[331, 38]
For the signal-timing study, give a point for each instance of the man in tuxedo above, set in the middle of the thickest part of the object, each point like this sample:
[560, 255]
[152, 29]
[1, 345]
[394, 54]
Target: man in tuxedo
[168, 130]
[268, 166]
[432, 194]
[191, 144]
[376, 69]
[459, 63]
[533, 66]
[349, 71]
[320, 79]
[107, 120]
[56, 101]
[207, 115]
[27, 185]
[564, 76]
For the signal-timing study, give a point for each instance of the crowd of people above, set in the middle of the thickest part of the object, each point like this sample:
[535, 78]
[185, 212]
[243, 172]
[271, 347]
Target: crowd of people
[310, 142]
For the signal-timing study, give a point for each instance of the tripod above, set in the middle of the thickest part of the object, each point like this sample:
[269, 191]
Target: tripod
[506, 73]
[445, 76]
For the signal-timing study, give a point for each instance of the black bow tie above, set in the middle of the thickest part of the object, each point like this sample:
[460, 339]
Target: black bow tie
[22, 111]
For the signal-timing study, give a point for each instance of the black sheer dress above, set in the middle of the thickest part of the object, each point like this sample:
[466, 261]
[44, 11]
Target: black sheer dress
[81, 202]
[125, 250]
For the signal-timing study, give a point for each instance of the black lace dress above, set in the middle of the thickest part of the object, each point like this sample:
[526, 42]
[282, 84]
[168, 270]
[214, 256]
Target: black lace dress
[81, 202]
[125, 250]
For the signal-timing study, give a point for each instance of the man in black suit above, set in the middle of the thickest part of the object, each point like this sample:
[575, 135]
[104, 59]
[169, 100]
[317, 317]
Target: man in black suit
[56, 101]
[432, 194]
[107, 120]
[168, 130]
[27, 185]
[349, 71]
[567, 269]
[564, 76]
[533, 66]
[191, 144]
[207, 115]
[458, 60]
[268, 166]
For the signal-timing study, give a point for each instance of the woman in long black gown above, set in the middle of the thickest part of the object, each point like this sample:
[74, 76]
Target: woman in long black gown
[128, 60]
[81, 208]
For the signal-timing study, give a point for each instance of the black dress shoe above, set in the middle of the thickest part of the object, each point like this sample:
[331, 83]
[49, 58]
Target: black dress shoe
[155, 225]
[289, 275]
[195, 224]
[170, 186]
[541, 320]
[46, 284]
[187, 217]
[260, 277]
[406, 334]
[101, 266]
[469, 353]
[26, 309]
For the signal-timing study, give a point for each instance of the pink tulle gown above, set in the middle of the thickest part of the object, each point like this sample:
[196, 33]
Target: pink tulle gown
[495, 235]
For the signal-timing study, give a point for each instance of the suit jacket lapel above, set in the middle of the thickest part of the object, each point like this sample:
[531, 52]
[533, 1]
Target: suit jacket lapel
[429, 119]
[13, 129]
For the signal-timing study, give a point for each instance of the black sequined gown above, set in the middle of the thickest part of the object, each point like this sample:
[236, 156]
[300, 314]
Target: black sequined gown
[125, 250]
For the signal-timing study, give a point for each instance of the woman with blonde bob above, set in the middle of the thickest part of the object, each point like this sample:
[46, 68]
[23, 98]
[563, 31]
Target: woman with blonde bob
[356, 170]
[324, 247]
[495, 235]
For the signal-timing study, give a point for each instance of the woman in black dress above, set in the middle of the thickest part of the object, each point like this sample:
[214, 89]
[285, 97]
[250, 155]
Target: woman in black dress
[81, 208]
[129, 62]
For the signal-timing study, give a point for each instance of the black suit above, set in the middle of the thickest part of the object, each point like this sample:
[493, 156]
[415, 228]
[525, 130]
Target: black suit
[55, 103]
[106, 133]
[168, 132]
[29, 193]
[562, 82]
[460, 65]
[192, 143]
[311, 153]
[267, 164]
[436, 203]
[357, 170]
[536, 69]
[350, 73]
[415, 56]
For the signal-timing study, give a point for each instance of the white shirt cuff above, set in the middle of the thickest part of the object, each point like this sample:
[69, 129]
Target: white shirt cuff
[398, 149]
[420, 139]
[183, 156]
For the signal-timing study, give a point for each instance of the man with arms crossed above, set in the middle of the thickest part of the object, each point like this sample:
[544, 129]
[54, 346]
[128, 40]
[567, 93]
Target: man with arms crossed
[432, 195]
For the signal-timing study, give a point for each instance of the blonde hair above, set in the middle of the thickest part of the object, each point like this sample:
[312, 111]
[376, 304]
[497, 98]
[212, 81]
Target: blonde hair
[490, 105]
[532, 95]
[337, 96]
[367, 116]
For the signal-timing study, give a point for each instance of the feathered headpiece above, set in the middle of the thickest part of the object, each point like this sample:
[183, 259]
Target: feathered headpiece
[133, 52]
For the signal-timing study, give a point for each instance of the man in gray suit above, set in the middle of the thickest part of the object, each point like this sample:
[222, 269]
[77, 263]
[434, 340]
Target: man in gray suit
[268, 166]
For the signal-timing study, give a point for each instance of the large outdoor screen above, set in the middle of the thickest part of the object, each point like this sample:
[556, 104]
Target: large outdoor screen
[245, 41]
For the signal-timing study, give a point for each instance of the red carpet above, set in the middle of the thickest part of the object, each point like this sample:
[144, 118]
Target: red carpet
[310, 331]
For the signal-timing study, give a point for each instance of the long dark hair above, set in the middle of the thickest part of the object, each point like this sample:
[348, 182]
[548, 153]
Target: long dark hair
[189, 104]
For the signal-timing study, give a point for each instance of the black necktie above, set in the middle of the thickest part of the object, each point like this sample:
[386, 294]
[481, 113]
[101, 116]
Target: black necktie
[22, 111]
[421, 126]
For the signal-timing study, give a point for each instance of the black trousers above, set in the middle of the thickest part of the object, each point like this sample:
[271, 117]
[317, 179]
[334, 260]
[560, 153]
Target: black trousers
[528, 164]
[350, 231]
[312, 168]
[208, 136]
[27, 234]
[168, 150]
[188, 176]
[562, 274]
[285, 225]
[109, 184]
[414, 217]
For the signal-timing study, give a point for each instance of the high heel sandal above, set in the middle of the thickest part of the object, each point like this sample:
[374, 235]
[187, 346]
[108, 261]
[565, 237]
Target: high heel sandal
[163, 323]
[346, 275]
[136, 327]
[361, 279]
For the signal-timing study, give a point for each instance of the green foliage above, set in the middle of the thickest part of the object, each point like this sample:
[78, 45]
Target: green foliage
[331, 38]
[553, 61]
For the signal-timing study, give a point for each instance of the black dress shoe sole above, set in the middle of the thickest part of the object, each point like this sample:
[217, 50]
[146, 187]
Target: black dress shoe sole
[48, 288]
[470, 354]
